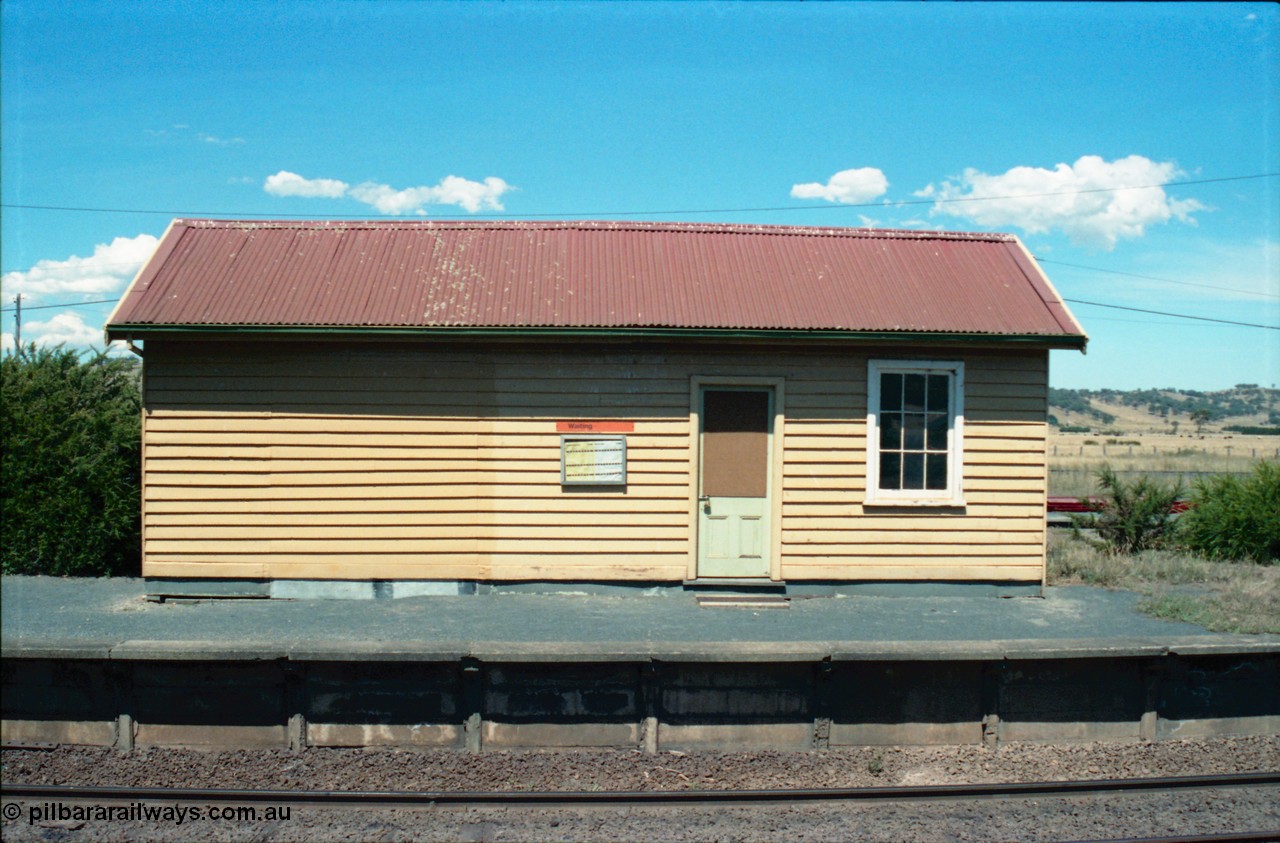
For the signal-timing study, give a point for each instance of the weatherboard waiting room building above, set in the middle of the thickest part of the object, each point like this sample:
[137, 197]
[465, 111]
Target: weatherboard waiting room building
[416, 407]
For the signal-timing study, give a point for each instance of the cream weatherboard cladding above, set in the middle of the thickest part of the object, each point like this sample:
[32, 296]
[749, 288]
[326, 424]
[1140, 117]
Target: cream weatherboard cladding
[350, 460]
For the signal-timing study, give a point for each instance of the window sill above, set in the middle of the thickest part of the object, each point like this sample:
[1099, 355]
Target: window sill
[950, 502]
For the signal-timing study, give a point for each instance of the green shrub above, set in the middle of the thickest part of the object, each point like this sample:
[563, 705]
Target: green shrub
[69, 481]
[1236, 518]
[1136, 515]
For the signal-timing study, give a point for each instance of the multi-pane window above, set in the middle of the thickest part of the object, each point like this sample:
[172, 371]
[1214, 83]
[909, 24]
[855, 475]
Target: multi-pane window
[914, 421]
[914, 410]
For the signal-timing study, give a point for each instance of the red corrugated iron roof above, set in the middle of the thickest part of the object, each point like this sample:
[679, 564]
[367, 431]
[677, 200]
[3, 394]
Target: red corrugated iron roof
[582, 275]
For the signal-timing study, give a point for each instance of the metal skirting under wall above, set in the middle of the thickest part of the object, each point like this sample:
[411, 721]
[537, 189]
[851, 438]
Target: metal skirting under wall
[647, 705]
[163, 588]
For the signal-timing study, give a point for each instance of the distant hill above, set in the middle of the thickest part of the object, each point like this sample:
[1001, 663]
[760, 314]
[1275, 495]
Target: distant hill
[1169, 410]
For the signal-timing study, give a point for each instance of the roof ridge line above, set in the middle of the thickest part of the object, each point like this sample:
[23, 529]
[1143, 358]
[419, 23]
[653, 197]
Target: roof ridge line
[604, 226]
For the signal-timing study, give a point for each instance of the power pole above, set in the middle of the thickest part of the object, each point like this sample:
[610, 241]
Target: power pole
[17, 324]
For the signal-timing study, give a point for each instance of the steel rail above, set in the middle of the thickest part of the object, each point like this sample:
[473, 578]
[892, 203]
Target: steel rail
[635, 797]
[1224, 837]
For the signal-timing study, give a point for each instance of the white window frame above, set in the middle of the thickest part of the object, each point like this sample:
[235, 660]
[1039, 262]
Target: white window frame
[953, 495]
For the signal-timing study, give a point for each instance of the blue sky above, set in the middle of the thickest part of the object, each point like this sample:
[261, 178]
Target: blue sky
[879, 114]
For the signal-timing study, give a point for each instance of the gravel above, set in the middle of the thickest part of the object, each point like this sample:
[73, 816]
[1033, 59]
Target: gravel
[1038, 818]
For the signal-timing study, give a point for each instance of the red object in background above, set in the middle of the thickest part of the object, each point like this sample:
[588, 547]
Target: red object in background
[1062, 503]
[1059, 503]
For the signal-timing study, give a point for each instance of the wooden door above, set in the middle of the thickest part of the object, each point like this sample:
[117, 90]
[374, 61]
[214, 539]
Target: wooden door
[734, 538]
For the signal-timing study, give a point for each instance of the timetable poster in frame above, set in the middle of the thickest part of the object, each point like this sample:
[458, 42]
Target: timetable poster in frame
[593, 460]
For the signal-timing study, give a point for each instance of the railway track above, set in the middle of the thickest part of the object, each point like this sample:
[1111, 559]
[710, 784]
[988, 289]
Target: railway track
[806, 800]
[634, 797]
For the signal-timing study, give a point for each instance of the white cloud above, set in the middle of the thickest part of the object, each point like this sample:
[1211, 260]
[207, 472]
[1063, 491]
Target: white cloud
[923, 225]
[452, 190]
[469, 195]
[1076, 199]
[388, 200]
[65, 328]
[182, 132]
[848, 187]
[217, 141]
[106, 271]
[285, 183]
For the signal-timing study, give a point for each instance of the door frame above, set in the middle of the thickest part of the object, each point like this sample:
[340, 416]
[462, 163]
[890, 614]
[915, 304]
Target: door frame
[696, 384]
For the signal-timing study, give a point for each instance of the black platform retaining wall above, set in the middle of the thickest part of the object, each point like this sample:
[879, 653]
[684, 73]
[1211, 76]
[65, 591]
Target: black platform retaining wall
[472, 705]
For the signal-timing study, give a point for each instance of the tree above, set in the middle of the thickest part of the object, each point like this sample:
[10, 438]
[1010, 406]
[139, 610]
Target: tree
[1201, 417]
[70, 477]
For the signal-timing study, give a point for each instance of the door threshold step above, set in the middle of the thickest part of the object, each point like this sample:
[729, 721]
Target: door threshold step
[743, 583]
[743, 601]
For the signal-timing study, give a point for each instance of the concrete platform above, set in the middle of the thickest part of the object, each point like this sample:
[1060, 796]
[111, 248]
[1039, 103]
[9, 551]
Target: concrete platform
[93, 661]
[110, 618]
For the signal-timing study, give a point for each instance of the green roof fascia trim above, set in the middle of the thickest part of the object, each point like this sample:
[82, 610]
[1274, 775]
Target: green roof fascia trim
[142, 332]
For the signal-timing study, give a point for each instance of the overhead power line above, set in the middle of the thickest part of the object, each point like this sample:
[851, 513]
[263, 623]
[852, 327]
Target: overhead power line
[1037, 257]
[1157, 278]
[1073, 301]
[68, 304]
[134, 264]
[1179, 315]
[1093, 319]
[584, 214]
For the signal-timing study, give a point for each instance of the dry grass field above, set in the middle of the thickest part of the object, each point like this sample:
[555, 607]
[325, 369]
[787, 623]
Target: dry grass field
[1074, 458]
[1222, 596]
[1236, 597]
